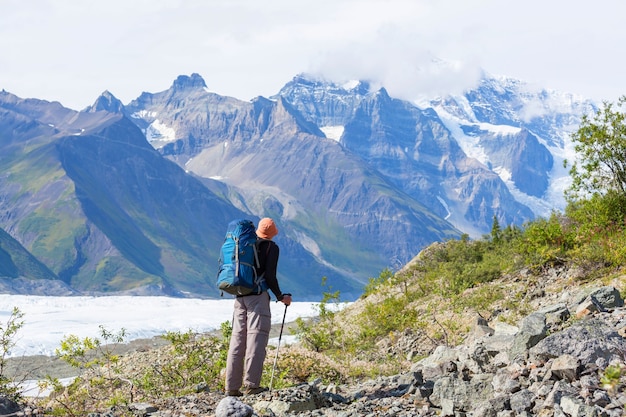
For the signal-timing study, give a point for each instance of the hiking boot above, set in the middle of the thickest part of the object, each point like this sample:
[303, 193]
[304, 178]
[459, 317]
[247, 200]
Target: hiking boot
[234, 393]
[252, 391]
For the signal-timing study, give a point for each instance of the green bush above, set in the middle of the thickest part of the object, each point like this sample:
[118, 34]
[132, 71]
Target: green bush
[463, 264]
[8, 331]
[375, 284]
[547, 242]
[299, 366]
[600, 222]
[598, 212]
[382, 317]
[321, 333]
[100, 384]
[194, 363]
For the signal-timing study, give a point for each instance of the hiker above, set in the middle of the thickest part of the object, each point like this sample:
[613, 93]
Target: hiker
[252, 320]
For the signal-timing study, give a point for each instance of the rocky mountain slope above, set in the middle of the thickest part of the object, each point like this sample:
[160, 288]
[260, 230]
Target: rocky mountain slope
[445, 151]
[136, 197]
[334, 205]
[520, 132]
[93, 202]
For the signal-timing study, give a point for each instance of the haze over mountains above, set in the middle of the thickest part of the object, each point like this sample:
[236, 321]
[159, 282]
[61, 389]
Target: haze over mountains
[136, 198]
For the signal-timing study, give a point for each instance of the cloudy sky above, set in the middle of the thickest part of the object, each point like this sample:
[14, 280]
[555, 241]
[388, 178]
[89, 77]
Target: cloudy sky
[71, 51]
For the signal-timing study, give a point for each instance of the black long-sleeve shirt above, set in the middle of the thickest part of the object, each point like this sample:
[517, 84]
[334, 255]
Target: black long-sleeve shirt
[268, 253]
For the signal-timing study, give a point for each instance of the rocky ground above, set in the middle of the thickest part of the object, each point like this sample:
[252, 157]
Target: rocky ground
[566, 358]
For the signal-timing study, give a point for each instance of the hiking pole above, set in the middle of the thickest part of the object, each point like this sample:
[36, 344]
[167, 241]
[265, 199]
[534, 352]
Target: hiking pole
[277, 347]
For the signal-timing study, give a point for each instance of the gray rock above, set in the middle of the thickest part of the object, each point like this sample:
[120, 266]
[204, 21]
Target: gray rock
[447, 407]
[8, 406]
[565, 367]
[232, 407]
[589, 381]
[560, 390]
[542, 389]
[506, 413]
[504, 383]
[532, 330]
[142, 408]
[499, 343]
[493, 407]
[415, 378]
[463, 394]
[478, 359]
[608, 297]
[432, 366]
[587, 307]
[576, 408]
[601, 398]
[587, 340]
[555, 314]
[522, 401]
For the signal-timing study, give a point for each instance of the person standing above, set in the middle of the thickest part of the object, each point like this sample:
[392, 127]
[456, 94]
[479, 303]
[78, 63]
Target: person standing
[252, 320]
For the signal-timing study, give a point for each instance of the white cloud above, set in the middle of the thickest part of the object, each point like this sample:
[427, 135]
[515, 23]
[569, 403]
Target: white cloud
[72, 51]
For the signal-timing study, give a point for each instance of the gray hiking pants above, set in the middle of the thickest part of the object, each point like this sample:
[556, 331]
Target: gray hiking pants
[251, 330]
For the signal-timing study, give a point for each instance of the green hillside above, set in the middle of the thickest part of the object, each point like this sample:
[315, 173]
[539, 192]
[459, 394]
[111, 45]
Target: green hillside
[157, 218]
[16, 261]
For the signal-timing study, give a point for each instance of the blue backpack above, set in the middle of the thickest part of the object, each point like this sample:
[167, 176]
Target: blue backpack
[238, 262]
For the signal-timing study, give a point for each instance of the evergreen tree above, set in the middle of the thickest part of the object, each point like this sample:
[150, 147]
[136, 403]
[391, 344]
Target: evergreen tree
[496, 231]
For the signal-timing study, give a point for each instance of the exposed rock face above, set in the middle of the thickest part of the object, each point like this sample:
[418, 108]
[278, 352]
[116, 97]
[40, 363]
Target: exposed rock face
[358, 180]
[106, 102]
[415, 150]
[278, 162]
[523, 156]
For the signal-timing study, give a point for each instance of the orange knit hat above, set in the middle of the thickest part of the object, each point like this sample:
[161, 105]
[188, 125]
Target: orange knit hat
[267, 228]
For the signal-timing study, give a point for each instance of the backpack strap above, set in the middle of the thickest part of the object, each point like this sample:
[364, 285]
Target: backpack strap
[236, 239]
[261, 278]
[256, 255]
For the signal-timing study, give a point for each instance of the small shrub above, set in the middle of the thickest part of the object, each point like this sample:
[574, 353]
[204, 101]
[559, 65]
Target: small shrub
[8, 331]
[100, 384]
[321, 333]
[194, 361]
[547, 242]
[611, 378]
[301, 365]
[374, 285]
[387, 315]
[482, 299]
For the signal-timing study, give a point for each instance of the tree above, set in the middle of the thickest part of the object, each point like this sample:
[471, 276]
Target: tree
[601, 145]
[496, 231]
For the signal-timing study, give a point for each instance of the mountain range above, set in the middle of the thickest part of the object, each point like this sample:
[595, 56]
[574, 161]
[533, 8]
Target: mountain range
[135, 198]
